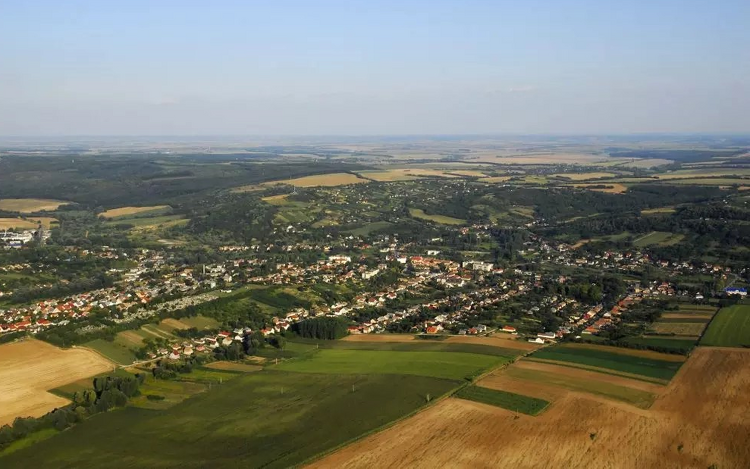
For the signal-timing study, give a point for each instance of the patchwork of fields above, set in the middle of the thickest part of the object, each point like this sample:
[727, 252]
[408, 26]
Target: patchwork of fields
[698, 420]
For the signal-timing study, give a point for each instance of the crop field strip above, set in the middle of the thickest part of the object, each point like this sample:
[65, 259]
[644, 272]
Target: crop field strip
[662, 370]
[504, 399]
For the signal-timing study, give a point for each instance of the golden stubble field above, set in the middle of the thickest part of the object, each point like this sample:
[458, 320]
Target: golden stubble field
[30, 368]
[700, 419]
[26, 223]
[124, 211]
[30, 205]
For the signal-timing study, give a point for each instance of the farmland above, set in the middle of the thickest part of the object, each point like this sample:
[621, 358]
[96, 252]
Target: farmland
[447, 365]
[698, 421]
[321, 180]
[130, 211]
[425, 346]
[30, 368]
[506, 400]
[629, 362]
[659, 238]
[584, 176]
[552, 381]
[256, 419]
[409, 174]
[604, 186]
[30, 205]
[442, 219]
[730, 328]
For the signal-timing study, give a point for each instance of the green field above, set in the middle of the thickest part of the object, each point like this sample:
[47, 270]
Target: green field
[265, 419]
[729, 328]
[506, 400]
[448, 365]
[422, 346]
[200, 322]
[660, 238]
[370, 227]
[442, 219]
[659, 369]
[116, 352]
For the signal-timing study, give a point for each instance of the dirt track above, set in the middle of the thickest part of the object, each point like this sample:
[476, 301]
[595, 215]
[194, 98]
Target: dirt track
[699, 420]
[30, 368]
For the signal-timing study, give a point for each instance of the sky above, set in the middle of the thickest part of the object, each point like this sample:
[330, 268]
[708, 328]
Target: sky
[375, 67]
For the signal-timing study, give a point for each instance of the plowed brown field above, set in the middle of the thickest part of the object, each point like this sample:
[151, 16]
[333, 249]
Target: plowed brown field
[30, 368]
[699, 420]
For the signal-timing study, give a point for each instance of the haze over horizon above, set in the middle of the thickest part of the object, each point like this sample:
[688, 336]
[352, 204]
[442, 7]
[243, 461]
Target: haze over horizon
[373, 68]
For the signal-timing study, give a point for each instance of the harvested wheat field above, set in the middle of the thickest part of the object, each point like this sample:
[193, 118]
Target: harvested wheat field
[125, 211]
[17, 223]
[28, 369]
[324, 180]
[700, 420]
[30, 205]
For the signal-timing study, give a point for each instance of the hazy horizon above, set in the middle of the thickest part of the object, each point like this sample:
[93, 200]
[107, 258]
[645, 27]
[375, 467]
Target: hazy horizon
[368, 69]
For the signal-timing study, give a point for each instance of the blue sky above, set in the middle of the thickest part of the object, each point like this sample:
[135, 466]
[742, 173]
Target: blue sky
[373, 67]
